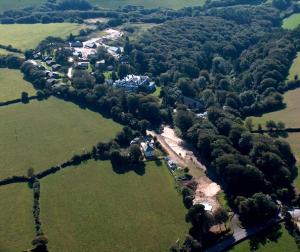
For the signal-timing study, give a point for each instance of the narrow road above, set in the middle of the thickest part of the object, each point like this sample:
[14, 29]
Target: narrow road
[240, 234]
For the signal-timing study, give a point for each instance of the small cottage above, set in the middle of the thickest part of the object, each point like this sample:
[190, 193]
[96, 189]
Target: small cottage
[148, 149]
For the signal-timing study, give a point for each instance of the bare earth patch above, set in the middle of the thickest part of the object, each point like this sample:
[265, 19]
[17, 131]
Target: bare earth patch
[207, 190]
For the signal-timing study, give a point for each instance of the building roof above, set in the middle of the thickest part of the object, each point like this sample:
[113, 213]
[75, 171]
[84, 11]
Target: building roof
[147, 147]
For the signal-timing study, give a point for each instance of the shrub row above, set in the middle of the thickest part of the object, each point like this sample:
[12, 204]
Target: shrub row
[14, 179]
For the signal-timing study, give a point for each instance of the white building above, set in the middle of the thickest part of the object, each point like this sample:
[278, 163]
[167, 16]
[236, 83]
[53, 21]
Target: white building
[148, 149]
[134, 83]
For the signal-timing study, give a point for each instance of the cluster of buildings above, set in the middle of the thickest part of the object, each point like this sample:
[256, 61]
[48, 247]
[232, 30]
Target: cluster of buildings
[133, 83]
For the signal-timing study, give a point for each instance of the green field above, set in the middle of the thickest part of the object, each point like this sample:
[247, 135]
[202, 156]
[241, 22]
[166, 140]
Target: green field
[47, 133]
[289, 115]
[291, 22]
[17, 228]
[175, 4]
[12, 85]
[295, 68]
[26, 36]
[90, 207]
[294, 141]
[17, 4]
[284, 243]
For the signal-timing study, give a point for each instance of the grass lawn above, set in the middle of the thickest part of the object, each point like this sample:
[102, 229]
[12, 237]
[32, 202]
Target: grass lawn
[284, 243]
[295, 68]
[294, 141]
[47, 133]
[174, 4]
[289, 115]
[90, 207]
[17, 225]
[157, 91]
[17, 4]
[291, 22]
[26, 36]
[12, 85]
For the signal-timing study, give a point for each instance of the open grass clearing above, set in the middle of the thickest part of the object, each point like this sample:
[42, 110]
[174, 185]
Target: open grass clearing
[279, 241]
[291, 22]
[17, 4]
[12, 85]
[16, 220]
[174, 4]
[289, 115]
[89, 207]
[295, 68]
[27, 36]
[46, 133]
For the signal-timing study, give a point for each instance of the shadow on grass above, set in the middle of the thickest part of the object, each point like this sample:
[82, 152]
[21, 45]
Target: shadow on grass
[158, 162]
[138, 168]
[262, 239]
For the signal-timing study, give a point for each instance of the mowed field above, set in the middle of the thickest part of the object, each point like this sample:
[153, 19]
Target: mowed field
[17, 4]
[291, 22]
[174, 4]
[289, 115]
[294, 141]
[46, 133]
[16, 220]
[28, 36]
[89, 207]
[12, 85]
[285, 242]
[295, 68]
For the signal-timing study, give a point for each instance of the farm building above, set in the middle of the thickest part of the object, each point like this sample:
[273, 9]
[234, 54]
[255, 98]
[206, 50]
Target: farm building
[82, 65]
[56, 67]
[191, 103]
[76, 44]
[50, 62]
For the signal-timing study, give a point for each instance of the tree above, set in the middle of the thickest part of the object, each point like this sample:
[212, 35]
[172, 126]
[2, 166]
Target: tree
[183, 120]
[24, 97]
[30, 172]
[199, 218]
[249, 124]
[259, 207]
[271, 125]
[221, 216]
[135, 153]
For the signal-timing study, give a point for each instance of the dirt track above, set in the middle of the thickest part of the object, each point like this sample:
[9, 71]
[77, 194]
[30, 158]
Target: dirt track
[207, 190]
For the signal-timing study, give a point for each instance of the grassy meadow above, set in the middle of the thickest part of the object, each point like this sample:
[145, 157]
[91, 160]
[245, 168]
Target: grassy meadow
[16, 217]
[295, 68]
[93, 207]
[27, 36]
[174, 4]
[289, 115]
[284, 242]
[46, 133]
[17, 4]
[291, 22]
[12, 85]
